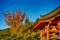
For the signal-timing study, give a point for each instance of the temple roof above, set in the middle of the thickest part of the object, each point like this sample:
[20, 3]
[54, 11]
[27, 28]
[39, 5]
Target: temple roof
[51, 14]
[48, 16]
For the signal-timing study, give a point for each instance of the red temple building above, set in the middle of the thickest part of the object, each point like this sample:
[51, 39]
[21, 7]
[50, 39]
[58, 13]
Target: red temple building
[49, 25]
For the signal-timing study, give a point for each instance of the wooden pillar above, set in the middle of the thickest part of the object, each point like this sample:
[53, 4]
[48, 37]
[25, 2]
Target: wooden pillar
[41, 36]
[59, 29]
[47, 31]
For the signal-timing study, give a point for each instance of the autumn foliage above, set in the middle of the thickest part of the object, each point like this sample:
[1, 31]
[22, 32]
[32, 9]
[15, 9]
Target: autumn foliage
[19, 30]
[14, 20]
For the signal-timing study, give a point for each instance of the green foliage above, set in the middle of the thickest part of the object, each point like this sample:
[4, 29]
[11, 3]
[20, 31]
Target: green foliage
[18, 30]
[24, 33]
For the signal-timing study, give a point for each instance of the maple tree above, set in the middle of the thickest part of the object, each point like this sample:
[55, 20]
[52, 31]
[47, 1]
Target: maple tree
[14, 20]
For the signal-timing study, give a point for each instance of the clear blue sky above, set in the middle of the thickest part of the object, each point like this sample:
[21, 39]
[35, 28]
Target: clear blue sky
[33, 8]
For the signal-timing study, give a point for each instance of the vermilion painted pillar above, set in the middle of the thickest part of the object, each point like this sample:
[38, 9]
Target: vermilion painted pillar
[59, 32]
[47, 30]
[41, 36]
[59, 29]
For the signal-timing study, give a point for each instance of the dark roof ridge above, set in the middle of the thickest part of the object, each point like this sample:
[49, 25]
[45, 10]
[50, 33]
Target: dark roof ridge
[52, 11]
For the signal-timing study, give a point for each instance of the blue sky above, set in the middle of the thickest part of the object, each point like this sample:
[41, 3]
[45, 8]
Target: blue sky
[33, 8]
